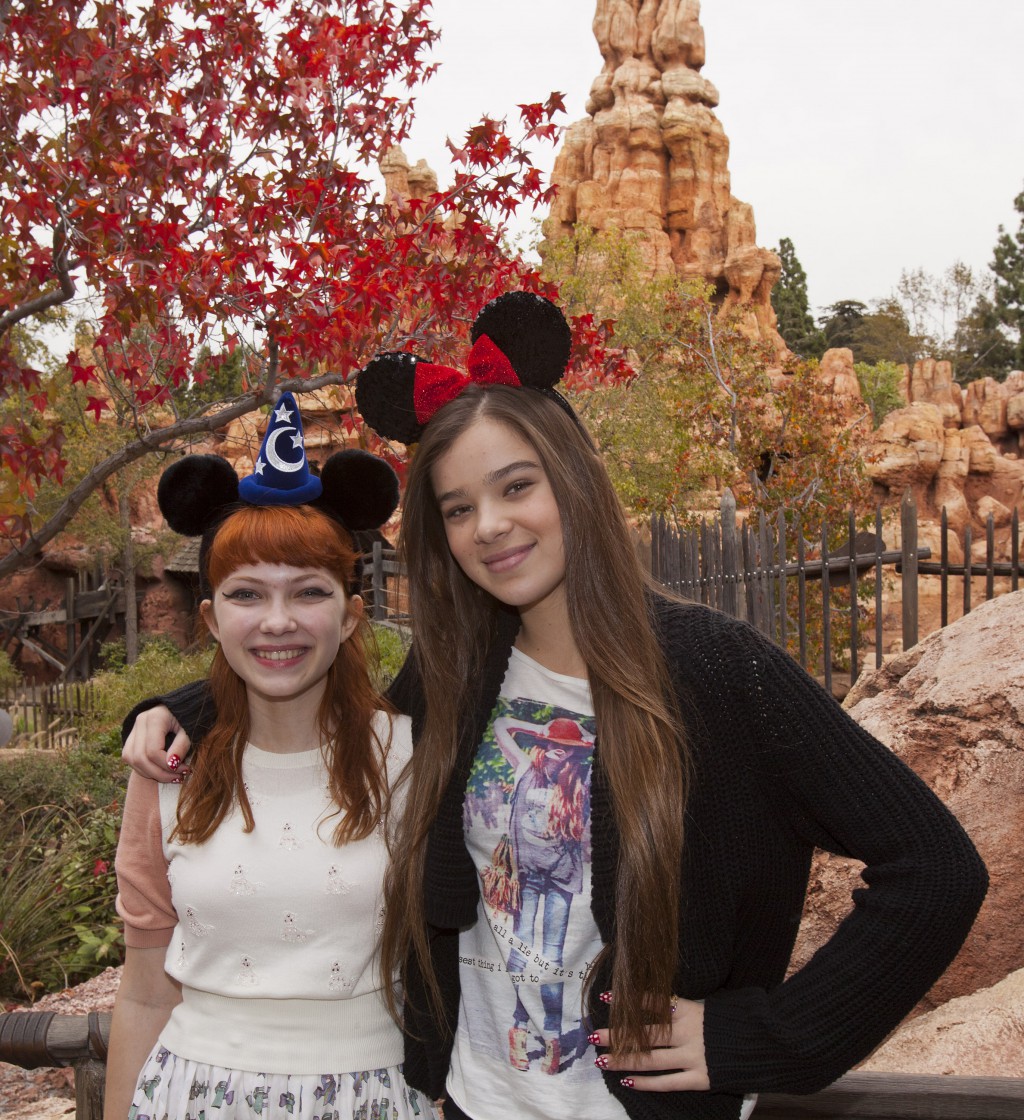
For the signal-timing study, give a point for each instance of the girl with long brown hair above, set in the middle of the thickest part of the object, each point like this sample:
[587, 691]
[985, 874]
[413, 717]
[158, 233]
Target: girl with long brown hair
[252, 894]
[707, 768]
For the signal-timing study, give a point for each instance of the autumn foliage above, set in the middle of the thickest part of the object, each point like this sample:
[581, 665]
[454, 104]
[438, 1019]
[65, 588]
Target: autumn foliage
[202, 177]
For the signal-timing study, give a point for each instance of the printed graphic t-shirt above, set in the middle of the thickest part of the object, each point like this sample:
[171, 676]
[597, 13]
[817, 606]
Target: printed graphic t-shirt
[524, 963]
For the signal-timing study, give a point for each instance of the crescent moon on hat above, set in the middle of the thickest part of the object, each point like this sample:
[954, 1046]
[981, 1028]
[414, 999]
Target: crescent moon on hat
[275, 460]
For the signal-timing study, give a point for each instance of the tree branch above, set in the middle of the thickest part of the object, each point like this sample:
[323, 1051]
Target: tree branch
[62, 267]
[158, 439]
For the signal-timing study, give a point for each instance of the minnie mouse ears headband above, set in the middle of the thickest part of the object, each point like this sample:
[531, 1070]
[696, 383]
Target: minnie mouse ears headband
[198, 492]
[519, 339]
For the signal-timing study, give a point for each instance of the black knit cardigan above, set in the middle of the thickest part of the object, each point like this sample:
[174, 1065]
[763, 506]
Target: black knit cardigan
[779, 769]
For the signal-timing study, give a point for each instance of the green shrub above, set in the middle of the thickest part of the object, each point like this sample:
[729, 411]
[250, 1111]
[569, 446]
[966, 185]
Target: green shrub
[160, 667]
[9, 676]
[391, 647]
[57, 890]
[880, 385]
[76, 780]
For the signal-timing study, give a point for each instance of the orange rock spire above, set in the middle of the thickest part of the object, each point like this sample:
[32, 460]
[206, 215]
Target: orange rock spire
[652, 159]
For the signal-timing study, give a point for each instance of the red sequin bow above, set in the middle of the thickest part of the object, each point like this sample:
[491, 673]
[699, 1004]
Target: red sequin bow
[437, 385]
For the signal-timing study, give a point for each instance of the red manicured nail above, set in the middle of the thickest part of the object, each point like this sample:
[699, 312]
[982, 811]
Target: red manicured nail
[602, 1062]
[173, 762]
[177, 781]
[185, 771]
[605, 997]
[594, 1038]
[627, 1083]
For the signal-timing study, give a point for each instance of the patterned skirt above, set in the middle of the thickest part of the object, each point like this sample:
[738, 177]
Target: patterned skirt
[173, 1088]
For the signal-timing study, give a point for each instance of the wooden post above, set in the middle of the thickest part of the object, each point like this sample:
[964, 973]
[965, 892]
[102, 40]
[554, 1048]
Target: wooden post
[34, 1039]
[879, 548]
[377, 583]
[767, 551]
[944, 565]
[783, 597]
[853, 598]
[69, 617]
[1014, 550]
[908, 521]
[801, 593]
[730, 556]
[990, 558]
[826, 609]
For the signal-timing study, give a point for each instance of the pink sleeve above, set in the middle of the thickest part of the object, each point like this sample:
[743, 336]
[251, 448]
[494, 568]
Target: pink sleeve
[143, 892]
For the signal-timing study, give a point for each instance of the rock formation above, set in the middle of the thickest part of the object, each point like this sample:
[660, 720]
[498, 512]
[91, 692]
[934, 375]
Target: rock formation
[980, 1035]
[953, 709]
[652, 159]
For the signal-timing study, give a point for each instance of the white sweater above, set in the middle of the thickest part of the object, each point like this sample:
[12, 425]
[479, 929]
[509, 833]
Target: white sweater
[274, 935]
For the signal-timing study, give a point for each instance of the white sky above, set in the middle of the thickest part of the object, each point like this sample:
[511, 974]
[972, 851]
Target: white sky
[877, 135]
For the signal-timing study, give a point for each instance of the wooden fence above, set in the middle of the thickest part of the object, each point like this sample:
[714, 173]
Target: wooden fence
[763, 572]
[47, 716]
[35, 1039]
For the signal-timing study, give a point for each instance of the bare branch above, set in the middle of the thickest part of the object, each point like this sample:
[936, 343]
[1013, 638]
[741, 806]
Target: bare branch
[62, 266]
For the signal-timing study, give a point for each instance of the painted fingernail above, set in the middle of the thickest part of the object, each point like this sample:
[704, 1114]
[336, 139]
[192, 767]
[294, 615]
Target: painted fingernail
[594, 1038]
[675, 1004]
[173, 762]
[627, 1082]
[602, 1062]
[177, 781]
[605, 997]
[186, 770]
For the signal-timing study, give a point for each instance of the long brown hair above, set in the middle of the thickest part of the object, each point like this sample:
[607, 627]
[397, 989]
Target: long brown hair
[642, 746]
[353, 752]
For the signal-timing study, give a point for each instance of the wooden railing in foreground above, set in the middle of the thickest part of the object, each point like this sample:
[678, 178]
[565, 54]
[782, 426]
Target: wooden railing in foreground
[39, 1038]
[33, 1039]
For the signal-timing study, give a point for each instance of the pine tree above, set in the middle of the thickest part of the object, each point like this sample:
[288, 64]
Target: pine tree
[789, 298]
[1008, 266]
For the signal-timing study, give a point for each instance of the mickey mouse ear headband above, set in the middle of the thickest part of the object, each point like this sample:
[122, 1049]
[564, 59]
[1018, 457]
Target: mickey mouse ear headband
[197, 493]
[519, 339]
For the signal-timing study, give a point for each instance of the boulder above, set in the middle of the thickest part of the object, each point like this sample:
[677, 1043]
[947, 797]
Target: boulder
[985, 405]
[932, 382]
[952, 708]
[982, 454]
[980, 1035]
[906, 450]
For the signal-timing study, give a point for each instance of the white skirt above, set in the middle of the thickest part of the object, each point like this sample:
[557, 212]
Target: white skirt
[173, 1088]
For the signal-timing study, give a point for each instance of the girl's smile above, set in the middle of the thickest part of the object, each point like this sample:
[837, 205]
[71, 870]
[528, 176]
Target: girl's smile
[280, 627]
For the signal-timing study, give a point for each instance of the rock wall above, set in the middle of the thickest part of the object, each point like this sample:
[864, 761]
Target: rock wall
[952, 708]
[651, 158]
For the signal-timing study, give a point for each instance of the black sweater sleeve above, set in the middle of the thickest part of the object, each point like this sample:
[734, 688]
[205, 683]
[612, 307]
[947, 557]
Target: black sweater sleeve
[191, 705]
[843, 791]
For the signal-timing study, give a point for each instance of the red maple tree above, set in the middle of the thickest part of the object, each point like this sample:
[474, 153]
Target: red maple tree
[205, 174]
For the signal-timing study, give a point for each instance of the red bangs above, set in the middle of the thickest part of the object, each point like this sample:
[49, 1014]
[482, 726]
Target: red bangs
[296, 535]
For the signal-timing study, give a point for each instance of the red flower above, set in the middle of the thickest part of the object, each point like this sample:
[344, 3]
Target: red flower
[100, 867]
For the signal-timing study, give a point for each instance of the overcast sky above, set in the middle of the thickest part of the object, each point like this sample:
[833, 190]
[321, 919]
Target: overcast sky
[877, 135]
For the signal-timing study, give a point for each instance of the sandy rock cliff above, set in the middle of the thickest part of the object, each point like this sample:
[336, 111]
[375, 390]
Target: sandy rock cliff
[651, 158]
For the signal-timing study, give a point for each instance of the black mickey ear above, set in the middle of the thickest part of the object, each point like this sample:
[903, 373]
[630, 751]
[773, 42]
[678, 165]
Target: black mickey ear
[531, 332]
[193, 492]
[359, 488]
[384, 396]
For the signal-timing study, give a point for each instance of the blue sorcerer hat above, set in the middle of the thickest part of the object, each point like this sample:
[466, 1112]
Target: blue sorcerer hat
[281, 476]
[198, 493]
